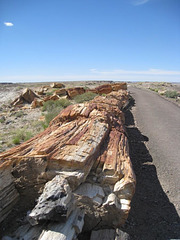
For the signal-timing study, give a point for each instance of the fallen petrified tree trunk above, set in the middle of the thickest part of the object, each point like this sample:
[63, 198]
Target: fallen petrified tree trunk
[84, 155]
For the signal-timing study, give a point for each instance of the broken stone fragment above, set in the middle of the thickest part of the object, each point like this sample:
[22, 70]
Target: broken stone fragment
[72, 92]
[61, 92]
[67, 230]
[8, 193]
[55, 203]
[109, 234]
[37, 103]
[92, 191]
[27, 96]
[57, 85]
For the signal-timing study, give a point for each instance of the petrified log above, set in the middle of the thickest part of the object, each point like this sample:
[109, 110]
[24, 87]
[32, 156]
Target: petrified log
[72, 92]
[57, 85]
[86, 147]
[119, 86]
[37, 103]
[53, 97]
[53, 231]
[106, 88]
[27, 96]
[61, 92]
[8, 192]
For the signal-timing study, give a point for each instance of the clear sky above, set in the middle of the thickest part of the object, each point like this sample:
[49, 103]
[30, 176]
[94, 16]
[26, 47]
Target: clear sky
[51, 40]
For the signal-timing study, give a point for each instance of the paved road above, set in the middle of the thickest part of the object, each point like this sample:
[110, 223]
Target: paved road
[159, 120]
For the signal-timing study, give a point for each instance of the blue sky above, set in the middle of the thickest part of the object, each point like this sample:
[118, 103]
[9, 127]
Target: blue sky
[89, 40]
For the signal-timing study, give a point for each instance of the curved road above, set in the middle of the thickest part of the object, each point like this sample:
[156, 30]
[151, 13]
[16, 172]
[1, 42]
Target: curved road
[159, 120]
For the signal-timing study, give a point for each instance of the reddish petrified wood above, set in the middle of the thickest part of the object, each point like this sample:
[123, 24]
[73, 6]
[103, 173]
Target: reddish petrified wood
[87, 145]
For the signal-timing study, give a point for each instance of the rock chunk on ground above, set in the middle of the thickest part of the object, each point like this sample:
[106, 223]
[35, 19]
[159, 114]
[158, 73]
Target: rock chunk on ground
[72, 92]
[26, 97]
[55, 203]
[57, 85]
[109, 234]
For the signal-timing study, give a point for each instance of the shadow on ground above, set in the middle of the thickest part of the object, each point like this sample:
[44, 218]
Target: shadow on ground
[152, 216]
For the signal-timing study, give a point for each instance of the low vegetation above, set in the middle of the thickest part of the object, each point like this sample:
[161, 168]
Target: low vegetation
[87, 96]
[21, 135]
[52, 109]
[171, 94]
[154, 89]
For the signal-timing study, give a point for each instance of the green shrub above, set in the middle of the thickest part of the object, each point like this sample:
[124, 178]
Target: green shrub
[49, 93]
[50, 115]
[50, 105]
[21, 135]
[2, 119]
[52, 109]
[19, 114]
[154, 89]
[171, 94]
[16, 140]
[85, 97]
[47, 106]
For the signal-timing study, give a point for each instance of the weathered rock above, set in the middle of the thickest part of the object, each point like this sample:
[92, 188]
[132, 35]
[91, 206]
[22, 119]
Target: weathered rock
[61, 92]
[53, 97]
[92, 191]
[106, 88]
[57, 85]
[86, 145]
[37, 103]
[55, 203]
[8, 192]
[66, 231]
[43, 90]
[72, 92]
[53, 231]
[109, 234]
[104, 234]
[119, 86]
[26, 97]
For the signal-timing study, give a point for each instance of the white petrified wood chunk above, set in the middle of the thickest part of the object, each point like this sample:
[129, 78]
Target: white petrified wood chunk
[8, 192]
[53, 231]
[55, 203]
[92, 191]
[109, 234]
[65, 231]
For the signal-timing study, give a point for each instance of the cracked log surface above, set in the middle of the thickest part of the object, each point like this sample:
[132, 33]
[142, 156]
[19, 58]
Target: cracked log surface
[84, 157]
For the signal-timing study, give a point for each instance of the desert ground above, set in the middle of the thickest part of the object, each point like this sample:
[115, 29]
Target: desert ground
[152, 125]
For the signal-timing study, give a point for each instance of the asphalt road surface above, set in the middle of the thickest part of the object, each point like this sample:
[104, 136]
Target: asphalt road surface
[159, 120]
[153, 129]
